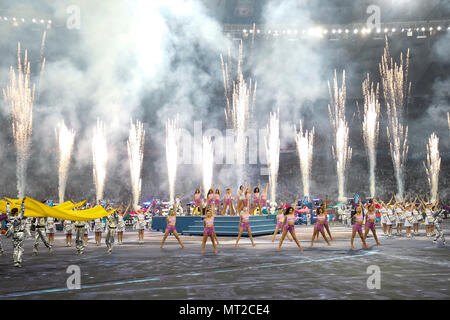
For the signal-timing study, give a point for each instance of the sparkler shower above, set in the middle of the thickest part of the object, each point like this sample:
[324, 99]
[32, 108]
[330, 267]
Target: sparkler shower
[396, 90]
[207, 164]
[433, 165]
[172, 139]
[342, 153]
[20, 98]
[135, 145]
[305, 146]
[272, 143]
[100, 158]
[371, 127]
[64, 139]
[240, 99]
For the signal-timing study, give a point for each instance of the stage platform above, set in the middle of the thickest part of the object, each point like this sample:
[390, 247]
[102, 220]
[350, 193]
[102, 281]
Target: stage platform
[225, 226]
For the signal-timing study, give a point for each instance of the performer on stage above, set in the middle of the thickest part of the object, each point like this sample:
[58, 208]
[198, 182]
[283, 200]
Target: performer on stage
[140, 225]
[68, 229]
[99, 227]
[409, 217]
[244, 224]
[429, 220]
[289, 226]
[320, 224]
[16, 230]
[111, 226]
[50, 229]
[256, 199]
[121, 223]
[171, 221]
[248, 198]
[39, 226]
[208, 230]
[438, 216]
[228, 201]
[280, 219]
[263, 199]
[357, 225]
[417, 217]
[80, 227]
[400, 211]
[370, 222]
[210, 197]
[217, 199]
[198, 200]
[240, 199]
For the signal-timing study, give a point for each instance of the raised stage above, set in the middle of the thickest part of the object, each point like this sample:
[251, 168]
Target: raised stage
[225, 226]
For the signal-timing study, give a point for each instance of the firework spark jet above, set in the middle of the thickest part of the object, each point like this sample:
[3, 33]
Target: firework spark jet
[342, 153]
[64, 139]
[371, 127]
[100, 158]
[240, 98]
[433, 165]
[20, 97]
[207, 164]
[305, 145]
[172, 139]
[272, 143]
[135, 145]
[396, 90]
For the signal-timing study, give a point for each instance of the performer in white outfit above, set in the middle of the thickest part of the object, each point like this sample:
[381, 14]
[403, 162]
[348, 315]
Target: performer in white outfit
[417, 217]
[50, 229]
[68, 229]
[140, 224]
[98, 229]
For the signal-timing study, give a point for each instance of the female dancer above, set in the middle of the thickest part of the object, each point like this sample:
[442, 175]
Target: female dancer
[140, 225]
[357, 226]
[370, 222]
[429, 220]
[409, 218]
[198, 200]
[248, 197]
[228, 202]
[399, 210]
[319, 226]
[263, 199]
[280, 219]
[121, 224]
[384, 210]
[240, 199]
[98, 229]
[50, 229]
[289, 225]
[244, 224]
[171, 220]
[68, 228]
[256, 199]
[217, 199]
[210, 197]
[417, 216]
[392, 218]
[208, 230]
[326, 220]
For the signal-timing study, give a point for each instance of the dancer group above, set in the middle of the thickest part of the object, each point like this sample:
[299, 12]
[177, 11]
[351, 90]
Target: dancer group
[402, 213]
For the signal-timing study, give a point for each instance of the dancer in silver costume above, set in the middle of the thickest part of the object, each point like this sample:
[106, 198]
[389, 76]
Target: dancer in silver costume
[39, 234]
[140, 225]
[87, 228]
[50, 229]
[16, 230]
[111, 226]
[438, 216]
[28, 223]
[79, 240]
[68, 229]
[98, 229]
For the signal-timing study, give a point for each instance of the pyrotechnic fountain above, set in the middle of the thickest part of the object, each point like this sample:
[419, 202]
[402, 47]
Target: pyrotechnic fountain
[64, 139]
[272, 142]
[305, 145]
[100, 157]
[341, 151]
[135, 145]
[172, 138]
[371, 127]
[207, 164]
[433, 165]
[240, 101]
[396, 90]
[20, 97]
